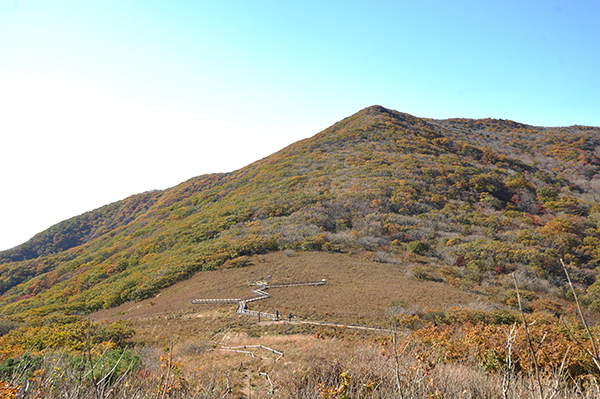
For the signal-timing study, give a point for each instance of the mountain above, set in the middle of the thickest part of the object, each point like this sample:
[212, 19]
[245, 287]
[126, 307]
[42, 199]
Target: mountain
[472, 200]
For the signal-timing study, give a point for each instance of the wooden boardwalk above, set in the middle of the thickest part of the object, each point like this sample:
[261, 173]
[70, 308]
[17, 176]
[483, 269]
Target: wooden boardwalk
[259, 293]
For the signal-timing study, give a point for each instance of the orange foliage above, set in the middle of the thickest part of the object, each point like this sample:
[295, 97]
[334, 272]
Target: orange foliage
[8, 391]
[487, 345]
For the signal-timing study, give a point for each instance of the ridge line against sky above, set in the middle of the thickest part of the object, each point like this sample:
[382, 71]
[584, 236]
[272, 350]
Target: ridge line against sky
[103, 100]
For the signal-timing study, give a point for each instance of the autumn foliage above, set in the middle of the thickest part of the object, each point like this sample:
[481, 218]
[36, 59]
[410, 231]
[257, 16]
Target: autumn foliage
[467, 201]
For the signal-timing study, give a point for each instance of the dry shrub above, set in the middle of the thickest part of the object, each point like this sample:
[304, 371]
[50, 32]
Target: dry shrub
[486, 346]
[385, 257]
[311, 369]
[289, 252]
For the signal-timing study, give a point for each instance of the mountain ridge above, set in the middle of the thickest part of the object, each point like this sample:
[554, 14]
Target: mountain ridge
[6, 255]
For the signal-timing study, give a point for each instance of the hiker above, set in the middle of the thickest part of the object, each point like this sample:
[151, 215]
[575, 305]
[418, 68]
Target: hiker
[290, 317]
[277, 314]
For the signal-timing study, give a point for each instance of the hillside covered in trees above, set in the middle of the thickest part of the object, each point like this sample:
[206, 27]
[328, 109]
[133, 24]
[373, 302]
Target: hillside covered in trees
[421, 227]
[470, 200]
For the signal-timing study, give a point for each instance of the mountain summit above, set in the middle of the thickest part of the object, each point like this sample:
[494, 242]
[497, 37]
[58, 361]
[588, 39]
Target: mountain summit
[468, 199]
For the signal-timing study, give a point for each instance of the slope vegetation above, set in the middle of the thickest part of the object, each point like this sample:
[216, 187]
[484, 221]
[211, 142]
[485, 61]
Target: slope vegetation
[473, 200]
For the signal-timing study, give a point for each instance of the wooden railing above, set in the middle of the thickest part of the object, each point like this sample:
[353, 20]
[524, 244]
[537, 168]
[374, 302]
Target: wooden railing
[230, 300]
[259, 294]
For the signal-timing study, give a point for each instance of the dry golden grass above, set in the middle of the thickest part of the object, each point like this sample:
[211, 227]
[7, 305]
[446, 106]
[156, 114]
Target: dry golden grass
[358, 291]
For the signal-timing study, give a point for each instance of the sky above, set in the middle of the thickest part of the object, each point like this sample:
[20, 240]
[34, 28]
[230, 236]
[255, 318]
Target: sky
[103, 100]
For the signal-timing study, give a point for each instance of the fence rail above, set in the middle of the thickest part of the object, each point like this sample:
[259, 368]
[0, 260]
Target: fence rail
[247, 349]
[229, 300]
[254, 313]
[282, 285]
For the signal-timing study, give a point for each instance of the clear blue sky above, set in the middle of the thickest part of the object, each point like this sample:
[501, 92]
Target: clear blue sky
[103, 99]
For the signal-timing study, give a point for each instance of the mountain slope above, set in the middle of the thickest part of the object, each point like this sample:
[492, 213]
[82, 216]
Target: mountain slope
[472, 199]
[78, 230]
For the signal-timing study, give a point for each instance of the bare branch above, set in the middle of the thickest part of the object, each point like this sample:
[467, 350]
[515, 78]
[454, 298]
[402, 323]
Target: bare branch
[587, 328]
[533, 355]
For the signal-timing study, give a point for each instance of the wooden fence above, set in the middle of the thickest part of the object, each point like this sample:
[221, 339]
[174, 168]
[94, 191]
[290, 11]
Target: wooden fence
[259, 294]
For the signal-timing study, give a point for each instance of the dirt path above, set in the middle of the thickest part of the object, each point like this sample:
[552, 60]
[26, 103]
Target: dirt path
[326, 324]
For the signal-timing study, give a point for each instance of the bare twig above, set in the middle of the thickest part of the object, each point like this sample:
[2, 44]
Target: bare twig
[89, 353]
[114, 368]
[168, 371]
[397, 360]
[228, 391]
[533, 352]
[508, 373]
[595, 357]
[560, 371]
[116, 384]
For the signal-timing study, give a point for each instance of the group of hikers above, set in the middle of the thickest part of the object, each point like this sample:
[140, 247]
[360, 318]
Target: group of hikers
[277, 316]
